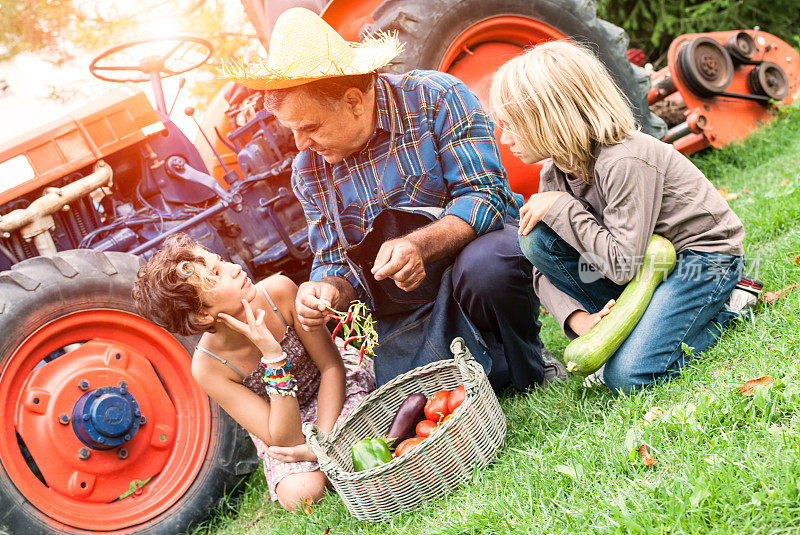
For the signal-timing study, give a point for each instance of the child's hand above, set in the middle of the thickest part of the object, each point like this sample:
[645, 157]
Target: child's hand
[582, 322]
[534, 210]
[255, 329]
[291, 454]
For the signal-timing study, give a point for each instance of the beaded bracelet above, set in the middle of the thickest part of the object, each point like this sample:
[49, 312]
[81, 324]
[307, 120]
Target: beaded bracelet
[283, 356]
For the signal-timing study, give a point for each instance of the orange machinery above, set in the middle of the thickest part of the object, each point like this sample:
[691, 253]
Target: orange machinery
[728, 81]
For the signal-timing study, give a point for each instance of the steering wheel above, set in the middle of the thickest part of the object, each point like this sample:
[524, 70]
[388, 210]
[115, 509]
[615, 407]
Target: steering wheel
[181, 57]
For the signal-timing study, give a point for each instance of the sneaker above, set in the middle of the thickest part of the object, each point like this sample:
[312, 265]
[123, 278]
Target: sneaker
[553, 368]
[744, 297]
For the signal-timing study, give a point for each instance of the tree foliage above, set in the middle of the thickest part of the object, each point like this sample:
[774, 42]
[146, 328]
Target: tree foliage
[36, 26]
[61, 30]
[653, 24]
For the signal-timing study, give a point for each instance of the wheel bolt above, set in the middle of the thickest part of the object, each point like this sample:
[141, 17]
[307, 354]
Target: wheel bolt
[83, 454]
[83, 384]
[63, 419]
[86, 417]
[123, 384]
[122, 454]
[143, 420]
[101, 439]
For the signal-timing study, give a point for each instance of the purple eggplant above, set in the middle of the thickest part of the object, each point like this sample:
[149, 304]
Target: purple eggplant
[410, 413]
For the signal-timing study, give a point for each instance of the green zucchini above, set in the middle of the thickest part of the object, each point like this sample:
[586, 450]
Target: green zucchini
[587, 353]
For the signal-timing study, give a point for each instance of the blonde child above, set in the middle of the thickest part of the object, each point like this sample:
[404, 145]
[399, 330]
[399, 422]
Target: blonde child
[605, 188]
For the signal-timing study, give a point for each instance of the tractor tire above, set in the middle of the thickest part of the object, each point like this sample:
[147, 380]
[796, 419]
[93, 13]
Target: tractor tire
[429, 28]
[52, 310]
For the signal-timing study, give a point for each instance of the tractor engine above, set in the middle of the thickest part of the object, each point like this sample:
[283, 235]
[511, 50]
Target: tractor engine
[268, 229]
[128, 200]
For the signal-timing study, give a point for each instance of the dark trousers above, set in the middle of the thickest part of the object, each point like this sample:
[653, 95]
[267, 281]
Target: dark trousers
[486, 298]
[493, 283]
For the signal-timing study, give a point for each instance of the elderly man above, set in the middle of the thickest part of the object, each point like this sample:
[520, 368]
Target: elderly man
[407, 204]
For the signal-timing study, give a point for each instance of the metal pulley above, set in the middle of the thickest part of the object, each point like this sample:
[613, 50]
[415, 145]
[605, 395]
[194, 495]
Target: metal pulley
[741, 47]
[768, 79]
[705, 66]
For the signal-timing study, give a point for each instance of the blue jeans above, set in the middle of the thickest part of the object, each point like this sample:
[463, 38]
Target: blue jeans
[687, 308]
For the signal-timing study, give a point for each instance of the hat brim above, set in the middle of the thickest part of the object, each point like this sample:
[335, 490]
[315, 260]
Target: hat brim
[376, 52]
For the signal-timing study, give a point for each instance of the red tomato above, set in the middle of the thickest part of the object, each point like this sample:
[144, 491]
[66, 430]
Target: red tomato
[406, 445]
[436, 407]
[456, 398]
[425, 428]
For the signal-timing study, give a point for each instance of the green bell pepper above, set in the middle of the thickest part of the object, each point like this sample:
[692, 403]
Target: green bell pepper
[369, 453]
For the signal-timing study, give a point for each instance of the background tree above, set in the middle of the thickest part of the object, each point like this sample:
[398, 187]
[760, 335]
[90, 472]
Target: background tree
[653, 24]
[63, 30]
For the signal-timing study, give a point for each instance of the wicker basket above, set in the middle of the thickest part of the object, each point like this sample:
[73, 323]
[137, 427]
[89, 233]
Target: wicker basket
[468, 440]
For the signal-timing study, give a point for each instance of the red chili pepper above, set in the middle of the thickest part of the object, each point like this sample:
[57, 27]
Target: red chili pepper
[354, 337]
[349, 317]
[336, 330]
[361, 353]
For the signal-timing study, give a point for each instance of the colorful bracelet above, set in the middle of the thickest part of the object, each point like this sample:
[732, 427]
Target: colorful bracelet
[280, 381]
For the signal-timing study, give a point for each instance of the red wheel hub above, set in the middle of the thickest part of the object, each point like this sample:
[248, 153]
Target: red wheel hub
[120, 356]
[72, 467]
[475, 56]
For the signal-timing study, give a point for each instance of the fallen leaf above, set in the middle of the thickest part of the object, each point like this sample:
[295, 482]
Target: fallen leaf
[773, 297]
[647, 459]
[307, 506]
[576, 472]
[785, 182]
[796, 260]
[327, 530]
[652, 414]
[749, 387]
[726, 194]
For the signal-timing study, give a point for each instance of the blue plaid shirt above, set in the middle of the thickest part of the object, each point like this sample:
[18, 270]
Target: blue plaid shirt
[444, 155]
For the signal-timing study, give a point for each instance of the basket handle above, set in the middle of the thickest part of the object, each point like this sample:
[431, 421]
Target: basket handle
[463, 358]
[315, 438]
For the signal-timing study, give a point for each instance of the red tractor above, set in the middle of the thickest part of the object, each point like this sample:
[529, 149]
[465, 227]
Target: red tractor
[103, 429]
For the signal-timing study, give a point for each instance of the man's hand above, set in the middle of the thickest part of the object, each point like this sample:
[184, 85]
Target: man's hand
[400, 260]
[534, 209]
[313, 299]
[581, 322]
[291, 454]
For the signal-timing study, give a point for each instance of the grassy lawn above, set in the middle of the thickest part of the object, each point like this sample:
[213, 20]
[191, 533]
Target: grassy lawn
[726, 463]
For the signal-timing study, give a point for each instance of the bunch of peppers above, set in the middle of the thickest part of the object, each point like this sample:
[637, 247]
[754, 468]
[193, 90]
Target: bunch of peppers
[357, 327]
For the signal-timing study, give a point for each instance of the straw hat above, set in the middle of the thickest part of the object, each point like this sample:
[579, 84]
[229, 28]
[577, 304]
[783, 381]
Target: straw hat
[304, 48]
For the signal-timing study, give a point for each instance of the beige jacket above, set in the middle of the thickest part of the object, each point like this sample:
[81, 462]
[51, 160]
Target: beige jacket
[640, 187]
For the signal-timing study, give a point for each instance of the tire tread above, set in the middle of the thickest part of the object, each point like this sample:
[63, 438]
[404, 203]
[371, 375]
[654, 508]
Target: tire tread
[420, 23]
[20, 279]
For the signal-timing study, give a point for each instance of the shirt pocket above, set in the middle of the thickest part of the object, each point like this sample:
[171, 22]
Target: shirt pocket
[420, 171]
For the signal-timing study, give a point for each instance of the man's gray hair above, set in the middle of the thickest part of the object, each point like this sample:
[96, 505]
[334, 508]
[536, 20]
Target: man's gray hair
[327, 91]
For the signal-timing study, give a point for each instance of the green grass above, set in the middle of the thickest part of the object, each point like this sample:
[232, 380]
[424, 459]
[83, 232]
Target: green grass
[726, 463]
